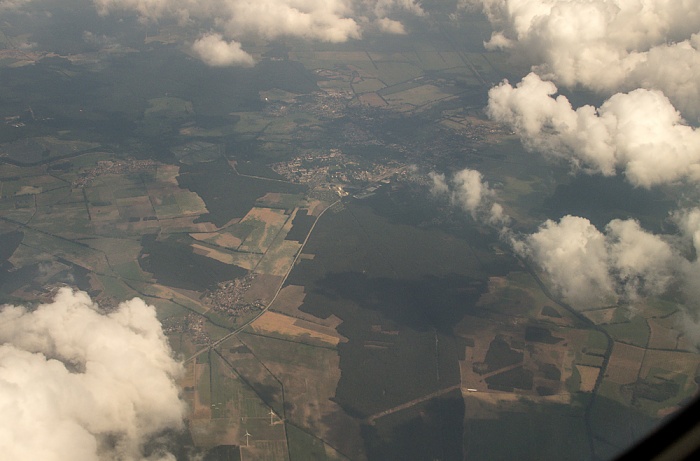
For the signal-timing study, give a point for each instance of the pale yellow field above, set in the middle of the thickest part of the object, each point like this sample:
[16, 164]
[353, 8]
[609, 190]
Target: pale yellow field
[447, 123]
[246, 260]
[372, 99]
[261, 238]
[262, 288]
[188, 379]
[672, 362]
[341, 56]
[141, 201]
[601, 316]
[291, 298]
[272, 197]
[212, 253]
[588, 377]
[222, 239]
[168, 174]
[310, 385]
[119, 250]
[288, 326]
[104, 214]
[184, 224]
[662, 336]
[624, 364]
[316, 207]
[201, 409]
[417, 96]
[279, 258]
[368, 85]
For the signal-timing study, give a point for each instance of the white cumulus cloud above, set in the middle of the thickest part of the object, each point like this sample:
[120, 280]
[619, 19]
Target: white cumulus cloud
[213, 50]
[77, 384]
[391, 26]
[468, 190]
[639, 133]
[324, 20]
[590, 268]
[10, 5]
[606, 45]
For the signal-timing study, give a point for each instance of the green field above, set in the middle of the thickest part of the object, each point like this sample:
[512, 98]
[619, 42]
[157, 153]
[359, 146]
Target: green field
[633, 331]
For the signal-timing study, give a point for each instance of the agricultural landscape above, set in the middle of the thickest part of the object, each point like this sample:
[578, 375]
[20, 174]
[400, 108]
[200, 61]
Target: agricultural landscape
[325, 304]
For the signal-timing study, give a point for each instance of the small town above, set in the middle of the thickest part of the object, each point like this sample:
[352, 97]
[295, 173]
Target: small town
[227, 299]
[112, 167]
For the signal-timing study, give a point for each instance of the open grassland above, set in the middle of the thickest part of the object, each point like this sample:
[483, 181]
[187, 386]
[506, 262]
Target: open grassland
[372, 99]
[262, 289]
[168, 106]
[72, 214]
[178, 297]
[668, 364]
[304, 445]
[247, 261]
[251, 370]
[220, 255]
[43, 149]
[197, 151]
[357, 60]
[41, 186]
[451, 60]
[77, 253]
[251, 123]
[279, 258]
[519, 295]
[291, 297]
[624, 365]
[280, 255]
[122, 255]
[281, 201]
[176, 203]
[665, 333]
[183, 225]
[166, 309]
[632, 331]
[167, 175]
[267, 223]
[18, 209]
[112, 288]
[108, 187]
[369, 85]
[503, 360]
[121, 205]
[300, 330]
[225, 407]
[654, 382]
[276, 94]
[309, 376]
[418, 96]
[265, 450]
[435, 60]
[601, 316]
[393, 72]
[221, 239]
[216, 182]
[588, 376]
